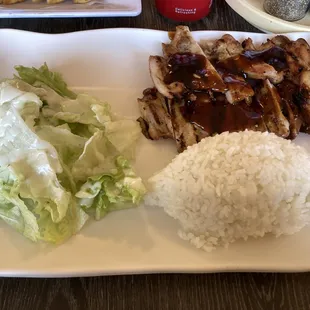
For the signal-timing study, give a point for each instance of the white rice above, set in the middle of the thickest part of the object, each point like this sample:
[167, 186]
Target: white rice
[234, 186]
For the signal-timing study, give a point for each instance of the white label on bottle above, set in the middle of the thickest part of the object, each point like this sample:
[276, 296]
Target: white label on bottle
[185, 11]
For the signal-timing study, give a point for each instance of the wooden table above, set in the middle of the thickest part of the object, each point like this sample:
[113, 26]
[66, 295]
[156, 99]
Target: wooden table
[221, 18]
[158, 292]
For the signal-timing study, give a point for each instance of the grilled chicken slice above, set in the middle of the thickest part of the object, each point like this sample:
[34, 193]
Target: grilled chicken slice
[226, 47]
[156, 121]
[273, 55]
[211, 87]
[280, 41]
[266, 45]
[300, 51]
[298, 58]
[199, 132]
[248, 45]
[184, 131]
[144, 127]
[184, 66]
[294, 69]
[253, 68]
[297, 55]
[214, 114]
[162, 118]
[159, 69]
[236, 117]
[261, 70]
[182, 42]
[238, 88]
[287, 91]
[275, 121]
[293, 119]
[304, 97]
[207, 47]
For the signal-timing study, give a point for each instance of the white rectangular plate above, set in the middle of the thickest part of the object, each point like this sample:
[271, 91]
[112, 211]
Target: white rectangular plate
[113, 65]
[95, 8]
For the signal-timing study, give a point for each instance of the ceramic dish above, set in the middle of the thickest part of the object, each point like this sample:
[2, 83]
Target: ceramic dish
[113, 65]
[95, 8]
[254, 13]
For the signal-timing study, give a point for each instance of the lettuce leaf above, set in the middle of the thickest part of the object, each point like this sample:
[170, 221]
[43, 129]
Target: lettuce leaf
[30, 192]
[13, 209]
[111, 191]
[53, 80]
[68, 145]
[31, 216]
[27, 104]
[63, 157]
[84, 109]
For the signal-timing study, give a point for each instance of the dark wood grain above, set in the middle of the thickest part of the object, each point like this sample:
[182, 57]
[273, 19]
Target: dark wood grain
[158, 292]
[221, 18]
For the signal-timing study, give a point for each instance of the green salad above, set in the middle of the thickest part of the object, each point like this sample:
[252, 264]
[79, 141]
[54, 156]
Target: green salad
[64, 157]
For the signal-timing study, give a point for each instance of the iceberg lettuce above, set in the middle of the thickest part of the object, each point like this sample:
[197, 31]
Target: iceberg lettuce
[63, 157]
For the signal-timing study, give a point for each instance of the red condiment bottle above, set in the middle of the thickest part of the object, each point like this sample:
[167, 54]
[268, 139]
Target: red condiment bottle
[184, 10]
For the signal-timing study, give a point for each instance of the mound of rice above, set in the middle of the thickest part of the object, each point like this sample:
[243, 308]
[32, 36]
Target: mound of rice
[233, 186]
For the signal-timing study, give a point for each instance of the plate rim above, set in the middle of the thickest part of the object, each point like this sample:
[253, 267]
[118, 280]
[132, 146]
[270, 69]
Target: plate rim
[43, 13]
[128, 29]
